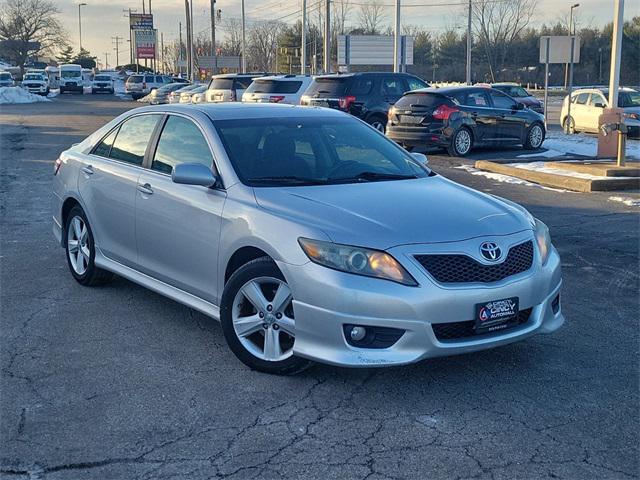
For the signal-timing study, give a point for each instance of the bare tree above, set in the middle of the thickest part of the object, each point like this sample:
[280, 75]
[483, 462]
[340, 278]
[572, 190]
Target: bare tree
[233, 38]
[29, 28]
[371, 17]
[340, 13]
[497, 25]
[262, 42]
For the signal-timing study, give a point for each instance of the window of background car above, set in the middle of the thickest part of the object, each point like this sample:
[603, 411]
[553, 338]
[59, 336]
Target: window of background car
[628, 99]
[135, 79]
[274, 86]
[5, 76]
[33, 76]
[181, 141]
[393, 86]
[581, 98]
[102, 78]
[477, 99]
[596, 99]
[104, 147]
[242, 82]
[132, 139]
[221, 83]
[70, 74]
[310, 151]
[415, 83]
[513, 91]
[330, 85]
[500, 100]
[421, 99]
[148, 79]
[361, 86]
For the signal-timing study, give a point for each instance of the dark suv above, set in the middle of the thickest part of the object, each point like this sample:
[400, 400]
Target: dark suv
[459, 118]
[367, 95]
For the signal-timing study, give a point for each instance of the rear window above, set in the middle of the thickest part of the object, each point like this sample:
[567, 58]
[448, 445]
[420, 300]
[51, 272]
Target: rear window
[330, 86]
[274, 86]
[221, 84]
[134, 79]
[421, 99]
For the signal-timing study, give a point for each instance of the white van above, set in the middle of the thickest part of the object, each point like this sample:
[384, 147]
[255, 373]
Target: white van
[71, 78]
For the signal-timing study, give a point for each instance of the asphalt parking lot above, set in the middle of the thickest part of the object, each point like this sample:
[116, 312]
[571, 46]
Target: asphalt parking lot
[117, 382]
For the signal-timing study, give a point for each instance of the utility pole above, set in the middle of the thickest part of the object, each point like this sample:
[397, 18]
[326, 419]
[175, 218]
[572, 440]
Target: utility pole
[614, 75]
[213, 36]
[180, 57]
[80, 25]
[128, 16]
[188, 46]
[106, 60]
[571, 26]
[116, 42]
[303, 53]
[244, 43]
[396, 40]
[193, 59]
[327, 36]
[162, 51]
[469, 46]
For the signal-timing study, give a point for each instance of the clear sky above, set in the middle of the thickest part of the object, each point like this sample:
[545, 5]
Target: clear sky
[103, 19]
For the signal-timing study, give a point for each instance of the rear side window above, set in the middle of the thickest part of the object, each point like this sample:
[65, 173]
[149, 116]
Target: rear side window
[476, 99]
[148, 79]
[421, 99]
[274, 86]
[330, 86]
[133, 138]
[242, 82]
[393, 86]
[221, 83]
[415, 84]
[361, 86]
[581, 98]
[181, 141]
[104, 147]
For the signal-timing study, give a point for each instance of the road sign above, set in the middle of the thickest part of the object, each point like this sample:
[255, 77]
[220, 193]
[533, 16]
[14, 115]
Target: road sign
[145, 43]
[559, 49]
[141, 21]
[223, 61]
[373, 50]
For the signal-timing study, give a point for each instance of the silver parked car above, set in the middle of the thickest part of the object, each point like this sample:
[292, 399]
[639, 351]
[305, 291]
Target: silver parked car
[306, 232]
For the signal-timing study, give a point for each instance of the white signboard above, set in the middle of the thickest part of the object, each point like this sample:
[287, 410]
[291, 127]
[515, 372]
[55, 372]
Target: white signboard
[373, 50]
[223, 61]
[559, 49]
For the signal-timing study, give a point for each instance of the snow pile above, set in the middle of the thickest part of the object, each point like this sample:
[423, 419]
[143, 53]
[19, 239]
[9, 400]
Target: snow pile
[559, 144]
[145, 99]
[498, 177]
[53, 93]
[631, 202]
[9, 95]
[541, 167]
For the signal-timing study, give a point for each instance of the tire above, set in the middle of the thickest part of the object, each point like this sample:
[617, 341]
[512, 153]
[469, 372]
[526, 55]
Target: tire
[461, 143]
[572, 125]
[86, 273]
[378, 122]
[262, 280]
[112, 91]
[61, 90]
[535, 137]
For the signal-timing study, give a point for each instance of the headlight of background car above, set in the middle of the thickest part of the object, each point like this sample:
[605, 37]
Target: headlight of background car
[361, 261]
[543, 239]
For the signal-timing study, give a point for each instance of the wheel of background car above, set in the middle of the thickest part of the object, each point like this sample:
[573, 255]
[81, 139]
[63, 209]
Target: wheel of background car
[258, 320]
[535, 137]
[379, 123]
[80, 249]
[572, 125]
[461, 143]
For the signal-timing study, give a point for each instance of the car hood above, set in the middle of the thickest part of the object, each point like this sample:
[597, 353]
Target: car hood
[386, 214]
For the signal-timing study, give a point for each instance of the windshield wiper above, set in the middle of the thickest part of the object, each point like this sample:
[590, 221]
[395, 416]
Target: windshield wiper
[288, 179]
[374, 176]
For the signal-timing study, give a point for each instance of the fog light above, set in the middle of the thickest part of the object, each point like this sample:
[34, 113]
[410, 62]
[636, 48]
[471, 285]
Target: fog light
[358, 333]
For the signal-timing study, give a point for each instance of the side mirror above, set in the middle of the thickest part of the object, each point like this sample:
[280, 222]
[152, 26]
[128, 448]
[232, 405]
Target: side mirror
[193, 174]
[421, 158]
[519, 106]
[598, 105]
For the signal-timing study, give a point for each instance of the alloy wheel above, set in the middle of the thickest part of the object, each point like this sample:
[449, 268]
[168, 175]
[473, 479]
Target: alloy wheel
[535, 136]
[78, 245]
[378, 125]
[463, 142]
[263, 319]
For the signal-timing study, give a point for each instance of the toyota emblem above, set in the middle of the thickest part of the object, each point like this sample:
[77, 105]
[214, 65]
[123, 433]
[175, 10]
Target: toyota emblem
[490, 251]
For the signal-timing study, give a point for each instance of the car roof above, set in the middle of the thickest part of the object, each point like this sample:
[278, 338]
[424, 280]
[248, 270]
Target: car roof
[360, 74]
[284, 78]
[237, 75]
[238, 110]
[505, 84]
[448, 90]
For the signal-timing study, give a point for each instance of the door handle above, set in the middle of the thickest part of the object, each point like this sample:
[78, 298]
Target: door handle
[87, 170]
[146, 189]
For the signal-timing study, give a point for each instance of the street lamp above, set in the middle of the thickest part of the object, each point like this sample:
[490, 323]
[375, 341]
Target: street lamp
[80, 24]
[566, 65]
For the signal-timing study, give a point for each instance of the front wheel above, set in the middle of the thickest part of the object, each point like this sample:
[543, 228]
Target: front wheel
[569, 125]
[461, 143]
[535, 137]
[379, 123]
[258, 319]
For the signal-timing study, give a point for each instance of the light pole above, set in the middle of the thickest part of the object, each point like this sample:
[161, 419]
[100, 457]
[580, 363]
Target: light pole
[244, 43]
[571, 26]
[80, 5]
[600, 69]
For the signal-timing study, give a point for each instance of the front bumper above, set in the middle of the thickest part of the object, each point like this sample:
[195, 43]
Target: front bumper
[325, 300]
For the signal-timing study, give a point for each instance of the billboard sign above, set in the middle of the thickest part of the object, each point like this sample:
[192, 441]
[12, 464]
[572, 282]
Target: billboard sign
[222, 61]
[141, 21]
[559, 49]
[373, 50]
[145, 43]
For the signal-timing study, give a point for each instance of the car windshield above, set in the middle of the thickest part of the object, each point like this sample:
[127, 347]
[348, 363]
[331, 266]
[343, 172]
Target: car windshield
[33, 76]
[274, 86]
[70, 74]
[269, 152]
[5, 76]
[102, 78]
[513, 91]
[329, 85]
[628, 99]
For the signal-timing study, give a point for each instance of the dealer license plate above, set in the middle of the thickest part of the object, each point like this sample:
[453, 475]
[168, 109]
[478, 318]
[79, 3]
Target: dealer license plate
[496, 314]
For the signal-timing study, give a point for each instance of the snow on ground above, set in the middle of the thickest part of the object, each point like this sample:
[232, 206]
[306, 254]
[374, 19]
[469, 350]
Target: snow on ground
[541, 167]
[504, 178]
[559, 144]
[631, 202]
[9, 95]
[54, 92]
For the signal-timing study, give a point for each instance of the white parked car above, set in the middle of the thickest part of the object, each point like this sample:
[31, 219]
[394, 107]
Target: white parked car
[199, 95]
[139, 85]
[229, 87]
[186, 97]
[6, 79]
[277, 89]
[102, 82]
[174, 97]
[71, 78]
[36, 82]
[587, 104]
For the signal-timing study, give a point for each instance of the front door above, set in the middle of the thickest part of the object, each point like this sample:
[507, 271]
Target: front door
[478, 107]
[595, 108]
[511, 121]
[178, 226]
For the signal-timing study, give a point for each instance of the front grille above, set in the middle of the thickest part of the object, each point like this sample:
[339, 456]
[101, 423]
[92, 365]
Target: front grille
[456, 330]
[464, 269]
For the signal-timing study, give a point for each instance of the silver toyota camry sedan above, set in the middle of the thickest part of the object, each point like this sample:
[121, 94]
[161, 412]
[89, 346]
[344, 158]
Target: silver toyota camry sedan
[307, 233]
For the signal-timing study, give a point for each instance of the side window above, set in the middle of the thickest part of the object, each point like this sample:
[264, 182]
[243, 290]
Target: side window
[597, 100]
[477, 99]
[415, 84]
[362, 86]
[242, 82]
[502, 101]
[392, 86]
[180, 142]
[104, 147]
[581, 98]
[132, 139]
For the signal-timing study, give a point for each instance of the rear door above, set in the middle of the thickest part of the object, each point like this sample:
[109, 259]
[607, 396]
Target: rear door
[511, 122]
[478, 106]
[107, 185]
[178, 226]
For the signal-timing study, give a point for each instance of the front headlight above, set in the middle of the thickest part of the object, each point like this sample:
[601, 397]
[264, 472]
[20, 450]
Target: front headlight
[543, 239]
[360, 261]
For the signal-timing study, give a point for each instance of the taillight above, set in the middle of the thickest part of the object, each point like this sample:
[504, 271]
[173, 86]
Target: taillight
[56, 166]
[276, 98]
[345, 102]
[443, 112]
